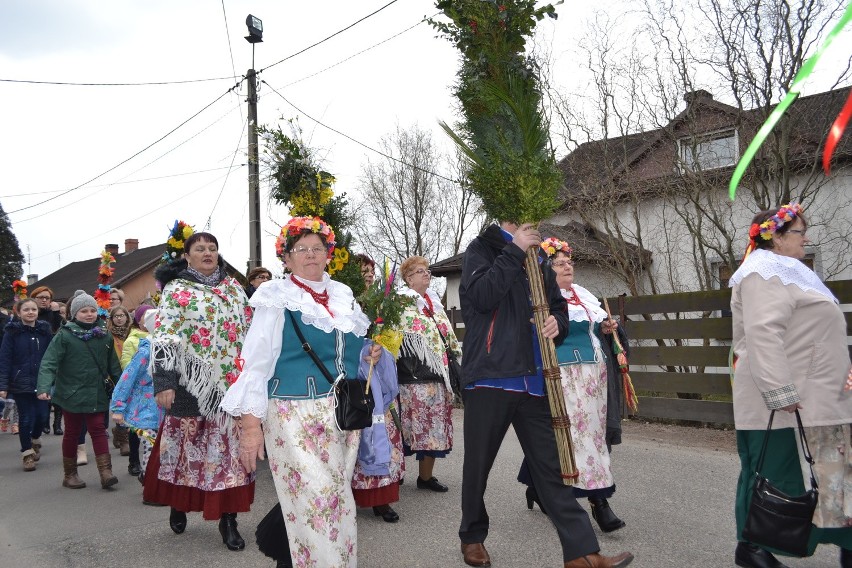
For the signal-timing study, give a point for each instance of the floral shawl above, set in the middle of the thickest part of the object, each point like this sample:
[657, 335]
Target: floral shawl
[422, 337]
[199, 333]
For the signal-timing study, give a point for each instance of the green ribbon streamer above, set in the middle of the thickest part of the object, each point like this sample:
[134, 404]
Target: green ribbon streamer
[806, 70]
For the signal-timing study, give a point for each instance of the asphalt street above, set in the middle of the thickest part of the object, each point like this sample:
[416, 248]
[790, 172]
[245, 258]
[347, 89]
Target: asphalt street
[675, 495]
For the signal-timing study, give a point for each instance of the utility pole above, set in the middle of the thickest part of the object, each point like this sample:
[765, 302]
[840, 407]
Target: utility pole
[255, 29]
[253, 173]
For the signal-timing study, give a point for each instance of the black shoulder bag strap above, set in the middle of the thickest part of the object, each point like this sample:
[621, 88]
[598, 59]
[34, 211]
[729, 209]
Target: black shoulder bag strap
[309, 350]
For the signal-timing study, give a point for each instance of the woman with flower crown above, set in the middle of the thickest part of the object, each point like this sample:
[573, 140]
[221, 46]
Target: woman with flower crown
[198, 334]
[312, 461]
[583, 357]
[789, 341]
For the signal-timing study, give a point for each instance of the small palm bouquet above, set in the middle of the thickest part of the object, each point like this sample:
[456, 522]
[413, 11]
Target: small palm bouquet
[384, 305]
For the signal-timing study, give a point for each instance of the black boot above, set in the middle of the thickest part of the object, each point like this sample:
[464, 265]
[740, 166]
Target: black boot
[606, 519]
[228, 529]
[749, 555]
[845, 558]
[177, 521]
[57, 421]
[532, 497]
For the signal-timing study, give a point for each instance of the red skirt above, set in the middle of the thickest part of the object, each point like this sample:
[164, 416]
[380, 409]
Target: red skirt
[212, 504]
[377, 497]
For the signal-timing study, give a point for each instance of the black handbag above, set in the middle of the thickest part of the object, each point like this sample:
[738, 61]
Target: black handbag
[778, 520]
[453, 366]
[353, 406]
[109, 386]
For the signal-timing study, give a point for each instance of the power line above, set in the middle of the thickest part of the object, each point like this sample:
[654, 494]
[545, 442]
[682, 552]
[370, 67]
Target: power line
[379, 152]
[375, 45]
[127, 223]
[230, 50]
[126, 182]
[338, 32]
[142, 84]
[233, 157]
[130, 158]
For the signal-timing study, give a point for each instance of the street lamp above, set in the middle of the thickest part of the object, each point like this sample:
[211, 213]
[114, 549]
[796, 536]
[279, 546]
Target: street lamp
[255, 29]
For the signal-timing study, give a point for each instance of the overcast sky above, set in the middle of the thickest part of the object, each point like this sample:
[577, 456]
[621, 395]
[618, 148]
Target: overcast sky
[55, 138]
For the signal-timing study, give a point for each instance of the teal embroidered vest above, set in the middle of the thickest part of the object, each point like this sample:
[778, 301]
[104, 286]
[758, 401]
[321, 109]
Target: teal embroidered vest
[297, 376]
[577, 347]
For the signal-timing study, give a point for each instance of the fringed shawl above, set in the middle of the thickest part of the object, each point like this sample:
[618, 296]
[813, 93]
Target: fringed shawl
[199, 333]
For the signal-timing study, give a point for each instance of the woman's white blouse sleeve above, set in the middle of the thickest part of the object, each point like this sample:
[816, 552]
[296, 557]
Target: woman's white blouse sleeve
[248, 395]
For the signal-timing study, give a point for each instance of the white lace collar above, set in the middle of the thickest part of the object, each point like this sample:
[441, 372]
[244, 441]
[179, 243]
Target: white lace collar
[284, 295]
[437, 306]
[789, 270]
[589, 300]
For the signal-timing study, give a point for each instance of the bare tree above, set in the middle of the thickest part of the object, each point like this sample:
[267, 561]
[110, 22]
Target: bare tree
[747, 53]
[411, 203]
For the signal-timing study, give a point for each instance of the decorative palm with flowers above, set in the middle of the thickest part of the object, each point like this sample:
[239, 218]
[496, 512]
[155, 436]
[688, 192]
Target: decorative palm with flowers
[105, 272]
[19, 289]
[299, 181]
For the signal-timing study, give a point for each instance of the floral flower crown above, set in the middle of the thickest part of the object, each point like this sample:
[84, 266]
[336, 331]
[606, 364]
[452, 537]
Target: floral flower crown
[299, 226]
[552, 245]
[769, 227]
[177, 236]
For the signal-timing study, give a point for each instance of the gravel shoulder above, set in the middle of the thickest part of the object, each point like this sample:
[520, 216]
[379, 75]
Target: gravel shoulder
[683, 436]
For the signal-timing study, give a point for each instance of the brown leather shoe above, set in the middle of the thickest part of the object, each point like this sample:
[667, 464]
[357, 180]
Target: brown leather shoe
[597, 561]
[475, 554]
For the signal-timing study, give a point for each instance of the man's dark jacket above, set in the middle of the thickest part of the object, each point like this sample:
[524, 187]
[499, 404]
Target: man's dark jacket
[496, 309]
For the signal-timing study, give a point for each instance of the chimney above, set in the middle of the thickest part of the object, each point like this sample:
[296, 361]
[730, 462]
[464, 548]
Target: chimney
[130, 245]
[112, 249]
[693, 96]
[32, 279]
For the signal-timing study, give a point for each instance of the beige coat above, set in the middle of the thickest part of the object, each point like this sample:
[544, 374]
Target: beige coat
[791, 344]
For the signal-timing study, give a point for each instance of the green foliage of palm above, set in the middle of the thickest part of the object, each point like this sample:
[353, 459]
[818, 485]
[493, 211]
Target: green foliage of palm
[503, 133]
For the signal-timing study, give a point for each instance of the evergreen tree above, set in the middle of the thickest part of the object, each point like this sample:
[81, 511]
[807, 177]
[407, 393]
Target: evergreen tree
[11, 258]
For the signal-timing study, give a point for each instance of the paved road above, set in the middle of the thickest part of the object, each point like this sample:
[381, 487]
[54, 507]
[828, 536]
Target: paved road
[674, 494]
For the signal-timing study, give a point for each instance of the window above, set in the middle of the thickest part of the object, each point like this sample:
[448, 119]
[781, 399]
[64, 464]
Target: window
[709, 151]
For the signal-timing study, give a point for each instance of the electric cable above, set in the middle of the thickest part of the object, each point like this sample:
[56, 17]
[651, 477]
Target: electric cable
[127, 159]
[142, 84]
[375, 45]
[126, 224]
[167, 176]
[338, 32]
[230, 49]
[233, 158]
[389, 157]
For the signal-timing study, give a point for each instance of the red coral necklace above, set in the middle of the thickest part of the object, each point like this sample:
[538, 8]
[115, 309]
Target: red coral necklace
[428, 309]
[320, 298]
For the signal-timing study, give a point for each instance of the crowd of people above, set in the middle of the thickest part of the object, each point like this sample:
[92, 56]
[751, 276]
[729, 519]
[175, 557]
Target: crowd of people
[216, 376]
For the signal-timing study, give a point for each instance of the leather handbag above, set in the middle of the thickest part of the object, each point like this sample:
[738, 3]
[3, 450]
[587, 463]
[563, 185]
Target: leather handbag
[778, 520]
[353, 406]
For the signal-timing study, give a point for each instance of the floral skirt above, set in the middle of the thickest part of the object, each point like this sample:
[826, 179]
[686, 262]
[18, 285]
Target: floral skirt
[426, 416]
[312, 465]
[831, 449]
[375, 490]
[584, 387]
[195, 466]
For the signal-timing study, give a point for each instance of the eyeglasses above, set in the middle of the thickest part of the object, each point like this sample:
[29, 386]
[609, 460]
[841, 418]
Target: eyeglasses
[560, 263]
[42, 297]
[306, 250]
[262, 277]
[421, 272]
[798, 231]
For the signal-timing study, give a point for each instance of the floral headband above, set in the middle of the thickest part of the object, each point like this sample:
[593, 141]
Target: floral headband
[769, 227]
[552, 245]
[298, 226]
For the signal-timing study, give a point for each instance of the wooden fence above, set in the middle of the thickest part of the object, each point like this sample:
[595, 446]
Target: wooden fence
[680, 344]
